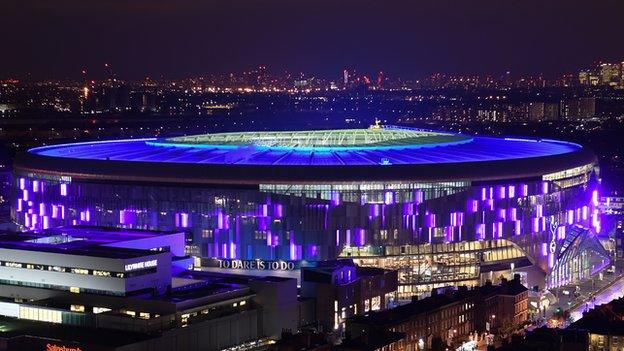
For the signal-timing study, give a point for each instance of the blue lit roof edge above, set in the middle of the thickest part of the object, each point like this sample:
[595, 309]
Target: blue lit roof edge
[38, 149]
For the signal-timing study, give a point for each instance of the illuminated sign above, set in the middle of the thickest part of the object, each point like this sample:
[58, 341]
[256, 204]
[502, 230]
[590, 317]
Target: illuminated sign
[258, 265]
[53, 347]
[141, 265]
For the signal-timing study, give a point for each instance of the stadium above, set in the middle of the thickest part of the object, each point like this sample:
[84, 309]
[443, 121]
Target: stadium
[441, 208]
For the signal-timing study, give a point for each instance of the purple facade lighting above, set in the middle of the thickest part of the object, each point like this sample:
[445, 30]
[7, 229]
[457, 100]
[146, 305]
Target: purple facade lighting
[389, 198]
[480, 231]
[184, 220]
[35, 186]
[64, 189]
[536, 225]
[360, 238]
[595, 197]
[472, 206]
[512, 191]
[524, 190]
[501, 192]
[335, 198]
[22, 183]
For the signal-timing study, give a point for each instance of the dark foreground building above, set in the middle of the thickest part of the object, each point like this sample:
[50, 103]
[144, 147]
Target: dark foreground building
[442, 209]
[450, 318]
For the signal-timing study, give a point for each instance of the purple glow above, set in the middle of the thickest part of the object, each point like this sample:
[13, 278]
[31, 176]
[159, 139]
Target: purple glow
[472, 206]
[22, 183]
[293, 251]
[570, 217]
[544, 187]
[335, 198]
[544, 249]
[64, 189]
[512, 191]
[46, 222]
[539, 211]
[35, 186]
[360, 237]
[419, 196]
[25, 194]
[480, 231]
[483, 194]
[233, 250]
[595, 197]
[389, 198]
[524, 190]
[184, 220]
[448, 234]
[561, 232]
[518, 227]
[501, 192]
[596, 221]
[20, 205]
[536, 224]
[502, 214]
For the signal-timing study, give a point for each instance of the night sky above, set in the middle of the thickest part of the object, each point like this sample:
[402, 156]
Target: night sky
[177, 38]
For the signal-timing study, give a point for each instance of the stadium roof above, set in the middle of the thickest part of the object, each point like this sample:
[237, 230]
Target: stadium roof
[312, 153]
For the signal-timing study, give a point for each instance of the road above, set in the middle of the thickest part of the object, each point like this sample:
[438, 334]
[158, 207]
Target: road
[613, 291]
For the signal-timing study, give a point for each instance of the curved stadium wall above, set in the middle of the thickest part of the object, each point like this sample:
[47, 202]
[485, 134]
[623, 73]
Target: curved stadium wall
[442, 208]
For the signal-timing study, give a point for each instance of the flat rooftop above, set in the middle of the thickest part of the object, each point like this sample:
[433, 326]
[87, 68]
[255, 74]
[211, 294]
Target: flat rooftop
[81, 240]
[14, 328]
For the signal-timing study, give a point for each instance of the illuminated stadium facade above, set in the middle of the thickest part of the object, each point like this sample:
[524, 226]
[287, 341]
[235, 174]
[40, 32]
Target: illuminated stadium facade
[443, 209]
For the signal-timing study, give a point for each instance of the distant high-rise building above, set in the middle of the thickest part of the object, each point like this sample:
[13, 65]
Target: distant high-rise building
[584, 77]
[587, 107]
[551, 111]
[536, 111]
[578, 109]
[610, 74]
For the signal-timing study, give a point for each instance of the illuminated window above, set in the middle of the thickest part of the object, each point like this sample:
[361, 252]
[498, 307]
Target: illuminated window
[77, 308]
[97, 310]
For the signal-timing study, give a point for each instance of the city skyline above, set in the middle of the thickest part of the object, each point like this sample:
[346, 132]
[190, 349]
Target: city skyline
[411, 40]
